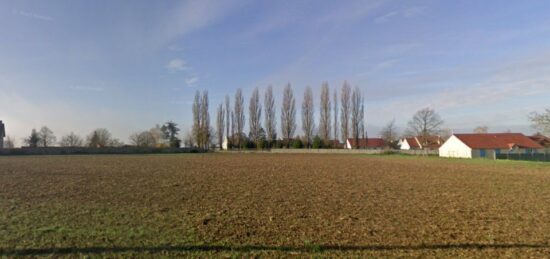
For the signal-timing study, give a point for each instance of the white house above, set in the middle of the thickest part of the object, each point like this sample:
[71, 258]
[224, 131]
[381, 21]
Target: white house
[487, 145]
[225, 144]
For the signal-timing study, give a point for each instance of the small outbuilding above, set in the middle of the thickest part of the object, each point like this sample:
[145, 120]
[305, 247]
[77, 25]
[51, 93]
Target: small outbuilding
[365, 143]
[488, 145]
[420, 142]
[541, 139]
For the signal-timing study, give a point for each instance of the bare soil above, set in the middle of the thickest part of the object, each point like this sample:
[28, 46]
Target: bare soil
[289, 205]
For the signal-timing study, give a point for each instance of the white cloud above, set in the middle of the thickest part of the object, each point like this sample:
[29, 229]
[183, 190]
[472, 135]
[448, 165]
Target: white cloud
[32, 15]
[87, 88]
[350, 12]
[176, 65]
[191, 81]
[406, 13]
[193, 15]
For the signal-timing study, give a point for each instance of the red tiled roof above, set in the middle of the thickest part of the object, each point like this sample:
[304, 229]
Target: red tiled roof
[369, 142]
[412, 142]
[497, 140]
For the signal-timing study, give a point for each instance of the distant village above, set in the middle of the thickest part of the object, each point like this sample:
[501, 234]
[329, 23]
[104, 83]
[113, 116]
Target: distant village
[340, 124]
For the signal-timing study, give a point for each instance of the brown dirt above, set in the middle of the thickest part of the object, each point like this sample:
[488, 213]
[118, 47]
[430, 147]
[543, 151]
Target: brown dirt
[272, 205]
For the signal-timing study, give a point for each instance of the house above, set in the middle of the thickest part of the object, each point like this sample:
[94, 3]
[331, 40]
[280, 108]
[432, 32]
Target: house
[2, 134]
[487, 145]
[365, 143]
[420, 142]
[541, 139]
[335, 143]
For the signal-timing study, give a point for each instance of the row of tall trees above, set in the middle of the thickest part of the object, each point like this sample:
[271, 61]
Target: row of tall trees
[201, 120]
[231, 122]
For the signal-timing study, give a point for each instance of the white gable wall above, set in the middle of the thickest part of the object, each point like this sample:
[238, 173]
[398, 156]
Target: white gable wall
[454, 147]
[405, 145]
[348, 145]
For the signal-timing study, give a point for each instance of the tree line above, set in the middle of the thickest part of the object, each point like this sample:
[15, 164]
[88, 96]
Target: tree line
[159, 136]
[341, 117]
[335, 122]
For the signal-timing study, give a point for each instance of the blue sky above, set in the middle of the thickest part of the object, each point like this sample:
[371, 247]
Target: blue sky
[128, 65]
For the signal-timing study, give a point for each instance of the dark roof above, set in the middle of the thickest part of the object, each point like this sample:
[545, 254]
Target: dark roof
[369, 142]
[497, 140]
[541, 140]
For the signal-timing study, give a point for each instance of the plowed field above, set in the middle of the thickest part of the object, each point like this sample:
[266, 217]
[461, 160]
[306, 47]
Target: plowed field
[272, 205]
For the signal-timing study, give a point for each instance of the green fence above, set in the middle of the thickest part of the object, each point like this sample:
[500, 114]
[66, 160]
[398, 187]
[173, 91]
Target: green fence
[541, 157]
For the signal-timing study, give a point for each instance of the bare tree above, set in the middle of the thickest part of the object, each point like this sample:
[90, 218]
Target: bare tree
[227, 118]
[255, 115]
[239, 116]
[10, 142]
[335, 98]
[288, 114]
[308, 124]
[389, 134]
[143, 139]
[196, 129]
[362, 120]
[206, 131]
[425, 122]
[356, 114]
[233, 127]
[100, 138]
[481, 129]
[220, 123]
[158, 136]
[201, 120]
[188, 139]
[47, 138]
[71, 140]
[324, 118]
[541, 121]
[269, 104]
[345, 96]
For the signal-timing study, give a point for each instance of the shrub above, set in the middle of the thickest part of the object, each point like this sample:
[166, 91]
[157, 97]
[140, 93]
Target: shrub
[317, 143]
[297, 143]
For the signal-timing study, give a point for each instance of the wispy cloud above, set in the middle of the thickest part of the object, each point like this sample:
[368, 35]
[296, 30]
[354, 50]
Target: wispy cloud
[191, 81]
[350, 11]
[87, 88]
[192, 15]
[176, 64]
[404, 13]
[386, 64]
[32, 15]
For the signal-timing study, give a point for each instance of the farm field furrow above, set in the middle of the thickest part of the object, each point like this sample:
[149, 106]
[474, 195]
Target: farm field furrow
[200, 205]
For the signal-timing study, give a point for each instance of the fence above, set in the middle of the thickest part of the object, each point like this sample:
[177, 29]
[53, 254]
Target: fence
[339, 151]
[94, 151]
[541, 157]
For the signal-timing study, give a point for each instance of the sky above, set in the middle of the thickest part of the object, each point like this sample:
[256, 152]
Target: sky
[128, 65]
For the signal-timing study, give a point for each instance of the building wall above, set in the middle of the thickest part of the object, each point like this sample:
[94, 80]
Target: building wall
[405, 145]
[491, 153]
[454, 147]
